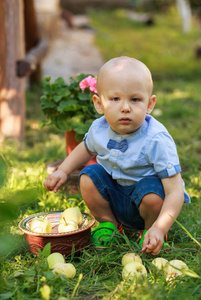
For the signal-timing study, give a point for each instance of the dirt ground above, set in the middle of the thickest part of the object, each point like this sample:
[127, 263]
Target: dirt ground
[71, 51]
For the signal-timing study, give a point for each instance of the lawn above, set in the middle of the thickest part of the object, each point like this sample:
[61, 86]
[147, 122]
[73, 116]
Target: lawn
[176, 72]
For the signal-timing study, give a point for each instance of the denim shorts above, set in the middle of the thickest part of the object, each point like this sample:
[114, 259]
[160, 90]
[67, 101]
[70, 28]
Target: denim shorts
[124, 200]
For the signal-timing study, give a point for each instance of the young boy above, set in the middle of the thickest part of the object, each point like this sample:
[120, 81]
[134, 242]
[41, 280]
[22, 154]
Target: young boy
[137, 180]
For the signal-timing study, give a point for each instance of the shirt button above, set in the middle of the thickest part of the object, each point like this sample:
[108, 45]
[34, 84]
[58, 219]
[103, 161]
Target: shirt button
[169, 166]
[119, 138]
[113, 153]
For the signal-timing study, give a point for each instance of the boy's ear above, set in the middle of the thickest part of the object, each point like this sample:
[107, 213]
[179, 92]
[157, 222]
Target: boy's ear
[151, 104]
[97, 104]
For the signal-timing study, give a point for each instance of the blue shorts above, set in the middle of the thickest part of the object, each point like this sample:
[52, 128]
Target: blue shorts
[124, 200]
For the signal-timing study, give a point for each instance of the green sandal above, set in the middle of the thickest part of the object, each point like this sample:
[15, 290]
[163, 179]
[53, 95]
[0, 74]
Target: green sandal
[103, 234]
[142, 234]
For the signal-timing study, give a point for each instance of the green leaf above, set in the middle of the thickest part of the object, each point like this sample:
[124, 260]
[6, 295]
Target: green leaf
[57, 98]
[6, 296]
[48, 274]
[47, 79]
[64, 123]
[18, 274]
[47, 250]
[79, 126]
[47, 104]
[68, 105]
[84, 97]
[191, 273]
[59, 81]
[63, 90]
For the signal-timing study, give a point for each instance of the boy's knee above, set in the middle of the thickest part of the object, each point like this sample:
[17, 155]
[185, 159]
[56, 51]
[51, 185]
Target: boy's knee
[152, 201]
[85, 182]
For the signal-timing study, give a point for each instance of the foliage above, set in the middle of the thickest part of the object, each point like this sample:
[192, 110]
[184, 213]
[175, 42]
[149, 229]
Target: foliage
[67, 106]
[162, 47]
[22, 172]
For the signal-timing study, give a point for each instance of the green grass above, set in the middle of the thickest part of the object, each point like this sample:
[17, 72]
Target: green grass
[163, 48]
[170, 56]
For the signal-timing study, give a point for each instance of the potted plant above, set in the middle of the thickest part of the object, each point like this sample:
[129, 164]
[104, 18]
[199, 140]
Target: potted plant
[69, 107]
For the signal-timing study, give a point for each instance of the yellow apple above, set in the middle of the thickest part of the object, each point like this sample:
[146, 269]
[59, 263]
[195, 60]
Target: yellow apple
[72, 213]
[159, 262]
[54, 258]
[40, 225]
[130, 257]
[175, 267]
[69, 225]
[133, 270]
[66, 269]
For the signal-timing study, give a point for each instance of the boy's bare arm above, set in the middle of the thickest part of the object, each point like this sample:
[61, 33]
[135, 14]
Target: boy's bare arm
[174, 199]
[77, 158]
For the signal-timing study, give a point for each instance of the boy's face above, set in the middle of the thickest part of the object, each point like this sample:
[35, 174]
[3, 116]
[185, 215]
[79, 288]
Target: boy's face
[125, 99]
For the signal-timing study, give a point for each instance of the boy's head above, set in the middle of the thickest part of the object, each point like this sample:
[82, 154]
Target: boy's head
[124, 88]
[124, 66]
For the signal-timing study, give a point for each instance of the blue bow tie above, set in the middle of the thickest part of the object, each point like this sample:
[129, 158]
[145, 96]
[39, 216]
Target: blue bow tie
[122, 146]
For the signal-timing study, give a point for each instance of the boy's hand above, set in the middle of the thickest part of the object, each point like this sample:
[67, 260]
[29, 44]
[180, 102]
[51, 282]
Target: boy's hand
[55, 180]
[153, 241]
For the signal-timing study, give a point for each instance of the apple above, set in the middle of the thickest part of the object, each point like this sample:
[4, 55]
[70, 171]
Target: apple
[69, 225]
[66, 269]
[133, 270]
[40, 225]
[72, 213]
[159, 262]
[130, 257]
[54, 258]
[175, 267]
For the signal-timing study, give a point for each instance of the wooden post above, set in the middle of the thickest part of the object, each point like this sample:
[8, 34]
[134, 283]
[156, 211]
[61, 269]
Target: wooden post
[32, 36]
[12, 88]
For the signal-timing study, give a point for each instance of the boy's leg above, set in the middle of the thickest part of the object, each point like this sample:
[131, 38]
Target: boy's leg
[98, 206]
[150, 208]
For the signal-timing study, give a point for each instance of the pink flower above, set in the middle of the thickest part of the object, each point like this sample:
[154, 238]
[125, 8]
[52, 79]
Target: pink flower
[88, 82]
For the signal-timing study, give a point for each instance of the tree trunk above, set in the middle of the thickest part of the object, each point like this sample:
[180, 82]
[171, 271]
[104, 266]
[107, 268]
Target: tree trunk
[12, 88]
[184, 9]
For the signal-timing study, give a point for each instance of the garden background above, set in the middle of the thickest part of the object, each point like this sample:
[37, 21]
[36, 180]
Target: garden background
[176, 67]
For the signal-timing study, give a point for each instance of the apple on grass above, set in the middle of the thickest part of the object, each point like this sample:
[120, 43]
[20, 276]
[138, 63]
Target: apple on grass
[134, 270]
[66, 269]
[40, 225]
[130, 257]
[159, 262]
[68, 225]
[175, 268]
[54, 258]
[72, 213]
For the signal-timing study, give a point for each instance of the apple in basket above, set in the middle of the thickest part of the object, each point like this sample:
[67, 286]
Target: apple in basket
[40, 225]
[68, 225]
[71, 213]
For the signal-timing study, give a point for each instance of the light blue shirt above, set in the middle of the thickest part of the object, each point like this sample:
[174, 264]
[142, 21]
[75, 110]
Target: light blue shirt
[151, 151]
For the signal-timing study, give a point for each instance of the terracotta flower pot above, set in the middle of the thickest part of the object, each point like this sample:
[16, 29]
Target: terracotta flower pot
[71, 143]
